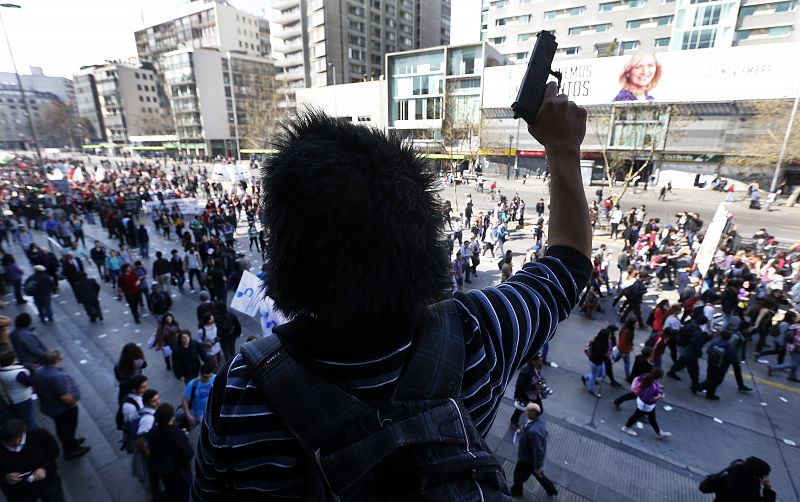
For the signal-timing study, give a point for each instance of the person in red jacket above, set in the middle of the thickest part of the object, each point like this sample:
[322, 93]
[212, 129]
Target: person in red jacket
[129, 283]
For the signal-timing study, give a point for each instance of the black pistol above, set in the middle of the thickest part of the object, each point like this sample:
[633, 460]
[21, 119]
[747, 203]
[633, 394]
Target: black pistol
[531, 92]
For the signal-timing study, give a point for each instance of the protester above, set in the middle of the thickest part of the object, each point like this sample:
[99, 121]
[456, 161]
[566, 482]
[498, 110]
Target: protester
[531, 453]
[29, 348]
[648, 392]
[167, 337]
[530, 388]
[58, 399]
[16, 384]
[196, 394]
[186, 357]
[131, 362]
[87, 291]
[170, 455]
[28, 470]
[42, 287]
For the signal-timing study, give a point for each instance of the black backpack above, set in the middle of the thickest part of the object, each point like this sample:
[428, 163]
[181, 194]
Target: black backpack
[120, 418]
[419, 445]
[716, 355]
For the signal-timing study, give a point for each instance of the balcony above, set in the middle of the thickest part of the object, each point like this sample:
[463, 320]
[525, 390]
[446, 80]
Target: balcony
[290, 76]
[288, 17]
[288, 63]
[285, 33]
[283, 4]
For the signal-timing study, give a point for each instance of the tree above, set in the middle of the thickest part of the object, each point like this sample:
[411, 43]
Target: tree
[630, 135]
[56, 125]
[762, 130]
[257, 106]
[85, 130]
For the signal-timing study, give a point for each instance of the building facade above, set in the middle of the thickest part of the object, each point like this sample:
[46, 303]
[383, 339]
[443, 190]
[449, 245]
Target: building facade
[216, 97]
[434, 95]
[217, 72]
[131, 102]
[15, 132]
[597, 28]
[87, 106]
[328, 42]
[362, 102]
[61, 87]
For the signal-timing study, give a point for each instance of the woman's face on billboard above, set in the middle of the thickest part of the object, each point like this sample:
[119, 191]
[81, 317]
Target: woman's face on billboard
[643, 72]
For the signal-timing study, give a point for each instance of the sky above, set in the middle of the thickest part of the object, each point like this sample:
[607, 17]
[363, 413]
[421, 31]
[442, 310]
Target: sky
[62, 35]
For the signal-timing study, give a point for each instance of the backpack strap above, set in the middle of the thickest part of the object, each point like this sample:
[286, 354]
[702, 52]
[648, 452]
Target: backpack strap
[435, 368]
[299, 395]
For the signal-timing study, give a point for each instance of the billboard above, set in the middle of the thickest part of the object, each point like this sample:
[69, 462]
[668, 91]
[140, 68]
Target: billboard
[752, 72]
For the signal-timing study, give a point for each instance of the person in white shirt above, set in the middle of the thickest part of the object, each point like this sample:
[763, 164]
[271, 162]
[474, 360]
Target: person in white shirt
[209, 341]
[147, 419]
[615, 220]
[194, 264]
[133, 401]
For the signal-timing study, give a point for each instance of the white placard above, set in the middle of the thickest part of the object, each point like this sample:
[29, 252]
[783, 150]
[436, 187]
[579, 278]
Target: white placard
[247, 297]
[711, 240]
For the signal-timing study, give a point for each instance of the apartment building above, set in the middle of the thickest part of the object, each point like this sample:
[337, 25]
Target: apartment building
[87, 105]
[328, 42]
[15, 132]
[218, 99]
[597, 28]
[131, 102]
[37, 81]
[217, 72]
[214, 24]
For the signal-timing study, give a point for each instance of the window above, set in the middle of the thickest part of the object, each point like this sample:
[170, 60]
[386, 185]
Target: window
[402, 109]
[630, 45]
[521, 55]
[364, 118]
[356, 54]
[573, 11]
[785, 6]
[699, 39]
[358, 26]
[779, 31]
[523, 37]
[420, 85]
[138, 87]
[141, 98]
[355, 10]
[649, 22]
[137, 75]
[405, 41]
[498, 40]
[357, 40]
[707, 15]
[597, 28]
[661, 42]
[569, 51]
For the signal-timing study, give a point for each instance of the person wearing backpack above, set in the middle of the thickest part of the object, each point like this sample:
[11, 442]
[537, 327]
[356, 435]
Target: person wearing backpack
[691, 339]
[128, 410]
[648, 392]
[41, 287]
[359, 348]
[720, 357]
[642, 364]
[228, 329]
[139, 428]
[160, 301]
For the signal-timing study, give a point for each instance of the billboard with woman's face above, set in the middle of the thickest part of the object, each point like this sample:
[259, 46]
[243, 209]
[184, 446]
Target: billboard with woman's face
[639, 76]
[729, 74]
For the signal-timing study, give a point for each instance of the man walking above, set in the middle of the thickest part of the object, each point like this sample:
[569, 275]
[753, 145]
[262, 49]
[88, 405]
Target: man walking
[160, 302]
[143, 239]
[72, 267]
[176, 269]
[531, 452]
[58, 398]
[130, 283]
[720, 357]
[42, 287]
[162, 271]
[87, 291]
[29, 349]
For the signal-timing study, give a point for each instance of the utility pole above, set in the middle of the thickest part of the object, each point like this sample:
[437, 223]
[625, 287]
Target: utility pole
[233, 102]
[777, 174]
[19, 82]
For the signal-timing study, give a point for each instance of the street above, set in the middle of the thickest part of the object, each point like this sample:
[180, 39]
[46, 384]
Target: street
[588, 456]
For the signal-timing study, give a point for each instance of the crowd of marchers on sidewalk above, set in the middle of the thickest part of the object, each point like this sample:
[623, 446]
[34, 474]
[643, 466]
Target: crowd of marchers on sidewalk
[43, 243]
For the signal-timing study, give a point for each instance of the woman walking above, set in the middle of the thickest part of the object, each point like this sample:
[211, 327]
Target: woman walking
[597, 351]
[131, 363]
[170, 455]
[167, 337]
[648, 391]
[186, 357]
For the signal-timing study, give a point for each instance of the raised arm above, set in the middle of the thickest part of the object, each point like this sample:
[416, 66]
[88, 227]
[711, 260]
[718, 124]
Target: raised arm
[560, 126]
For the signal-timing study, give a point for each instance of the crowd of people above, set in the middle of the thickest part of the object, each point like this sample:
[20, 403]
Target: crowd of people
[745, 304]
[43, 243]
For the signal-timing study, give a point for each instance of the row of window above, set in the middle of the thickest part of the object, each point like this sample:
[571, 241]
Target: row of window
[143, 76]
[768, 8]
[755, 34]
[628, 45]
[146, 87]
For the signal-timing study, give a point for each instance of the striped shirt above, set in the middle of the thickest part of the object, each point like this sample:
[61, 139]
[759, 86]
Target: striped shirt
[246, 452]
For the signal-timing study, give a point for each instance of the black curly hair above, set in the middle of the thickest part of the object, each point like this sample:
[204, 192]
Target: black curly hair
[354, 224]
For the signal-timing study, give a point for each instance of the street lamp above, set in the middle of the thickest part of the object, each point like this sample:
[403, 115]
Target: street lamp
[508, 164]
[19, 80]
[335, 103]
